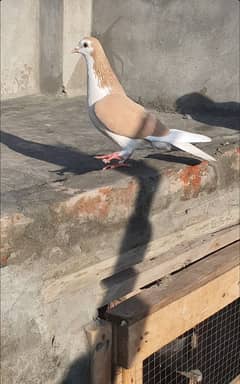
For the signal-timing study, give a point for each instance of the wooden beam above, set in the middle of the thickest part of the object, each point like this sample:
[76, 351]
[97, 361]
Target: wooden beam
[154, 268]
[156, 264]
[188, 279]
[133, 375]
[129, 376]
[99, 335]
[117, 376]
[158, 315]
[236, 380]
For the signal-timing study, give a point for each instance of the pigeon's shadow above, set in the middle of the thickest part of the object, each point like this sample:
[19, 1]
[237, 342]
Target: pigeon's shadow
[203, 109]
[68, 158]
[71, 160]
[174, 159]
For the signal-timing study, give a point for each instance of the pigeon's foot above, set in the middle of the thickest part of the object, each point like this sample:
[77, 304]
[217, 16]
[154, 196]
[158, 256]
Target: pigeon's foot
[118, 160]
[111, 156]
[117, 165]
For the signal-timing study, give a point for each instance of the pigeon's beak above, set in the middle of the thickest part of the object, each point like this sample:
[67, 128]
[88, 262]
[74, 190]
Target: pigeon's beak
[76, 50]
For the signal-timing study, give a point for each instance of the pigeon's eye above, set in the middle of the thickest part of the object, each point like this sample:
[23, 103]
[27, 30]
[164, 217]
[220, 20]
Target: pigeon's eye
[85, 45]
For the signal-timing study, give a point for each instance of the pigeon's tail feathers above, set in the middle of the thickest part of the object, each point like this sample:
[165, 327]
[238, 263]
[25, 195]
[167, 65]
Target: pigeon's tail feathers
[188, 147]
[176, 135]
[182, 140]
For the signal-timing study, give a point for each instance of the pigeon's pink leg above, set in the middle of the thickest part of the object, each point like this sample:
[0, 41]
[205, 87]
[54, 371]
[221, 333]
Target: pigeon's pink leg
[120, 158]
[111, 156]
[117, 165]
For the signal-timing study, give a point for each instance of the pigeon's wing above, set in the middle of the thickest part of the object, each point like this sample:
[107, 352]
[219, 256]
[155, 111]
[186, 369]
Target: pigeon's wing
[124, 117]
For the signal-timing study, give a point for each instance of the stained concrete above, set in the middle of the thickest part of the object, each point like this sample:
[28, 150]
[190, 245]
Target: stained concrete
[19, 48]
[163, 50]
[37, 37]
[62, 213]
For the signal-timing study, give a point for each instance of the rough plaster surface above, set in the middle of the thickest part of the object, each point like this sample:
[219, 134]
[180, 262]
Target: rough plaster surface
[61, 213]
[76, 25]
[37, 37]
[19, 48]
[50, 45]
[163, 50]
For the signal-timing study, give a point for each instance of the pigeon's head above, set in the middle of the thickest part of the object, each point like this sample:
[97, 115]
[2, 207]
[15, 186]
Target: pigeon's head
[87, 46]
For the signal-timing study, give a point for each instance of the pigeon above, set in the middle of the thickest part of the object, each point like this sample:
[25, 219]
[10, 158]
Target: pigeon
[126, 122]
[195, 376]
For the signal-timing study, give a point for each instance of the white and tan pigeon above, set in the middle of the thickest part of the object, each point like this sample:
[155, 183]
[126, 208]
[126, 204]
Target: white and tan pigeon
[124, 121]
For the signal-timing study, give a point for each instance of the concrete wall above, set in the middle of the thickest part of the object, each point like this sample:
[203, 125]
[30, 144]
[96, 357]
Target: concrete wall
[50, 45]
[19, 47]
[161, 50]
[37, 37]
[62, 24]
[76, 24]
[164, 49]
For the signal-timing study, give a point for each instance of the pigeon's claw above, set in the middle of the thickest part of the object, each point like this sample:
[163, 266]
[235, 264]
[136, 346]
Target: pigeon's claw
[111, 156]
[118, 160]
[117, 165]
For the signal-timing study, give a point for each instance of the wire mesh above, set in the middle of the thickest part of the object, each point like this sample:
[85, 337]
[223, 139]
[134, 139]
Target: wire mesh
[206, 354]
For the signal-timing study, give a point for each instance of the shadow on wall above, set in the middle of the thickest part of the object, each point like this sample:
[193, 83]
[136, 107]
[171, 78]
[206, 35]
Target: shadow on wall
[50, 46]
[207, 111]
[77, 79]
[138, 227]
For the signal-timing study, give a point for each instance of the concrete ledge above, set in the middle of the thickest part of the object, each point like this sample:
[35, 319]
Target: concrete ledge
[72, 223]
[62, 215]
[79, 213]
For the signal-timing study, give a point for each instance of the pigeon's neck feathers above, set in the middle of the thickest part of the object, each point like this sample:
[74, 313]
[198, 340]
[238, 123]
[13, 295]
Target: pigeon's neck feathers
[102, 81]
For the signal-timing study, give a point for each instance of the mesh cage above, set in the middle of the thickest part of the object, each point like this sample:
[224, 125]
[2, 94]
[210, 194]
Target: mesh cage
[207, 354]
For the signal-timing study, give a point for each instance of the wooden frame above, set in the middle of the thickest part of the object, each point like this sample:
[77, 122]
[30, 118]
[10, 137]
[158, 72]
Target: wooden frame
[99, 335]
[133, 327]
[236, 380]
[157, 263]
[191, 296]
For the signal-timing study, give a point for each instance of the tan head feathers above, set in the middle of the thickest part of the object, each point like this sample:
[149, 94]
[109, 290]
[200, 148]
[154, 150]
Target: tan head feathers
[91, 46]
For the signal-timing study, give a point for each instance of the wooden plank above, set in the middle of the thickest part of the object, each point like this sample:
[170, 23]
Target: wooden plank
[141, 339]
[155, 265]
[181, 284]
[155, 268]
[158, 315]
[236, 380]
[99, 335]
[116, 370]
[129, 376]
[117, 376]
[139, 372]
[133, 375]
